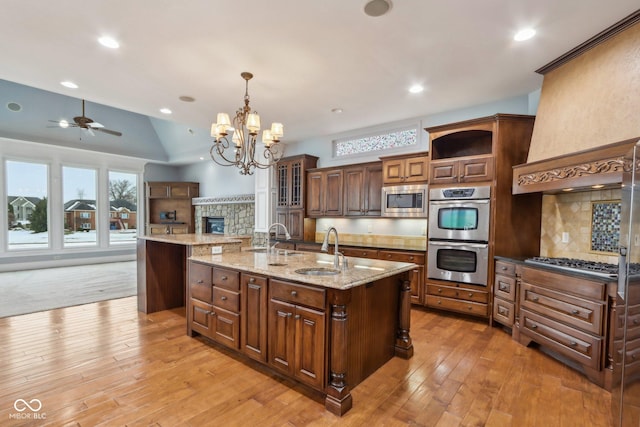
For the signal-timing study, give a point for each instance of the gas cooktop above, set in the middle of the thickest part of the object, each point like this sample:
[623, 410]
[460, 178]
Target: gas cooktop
[601, 269]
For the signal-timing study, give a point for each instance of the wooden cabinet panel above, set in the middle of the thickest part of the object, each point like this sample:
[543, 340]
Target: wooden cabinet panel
[281, 335]
[183, 229]
[574, 285]
[416, 169]
[159, 190]
[443, 172]
[417, 258]
[292, 195]
[168, 207]
[504, 312]
[226, 327]
[460, 306]
[576, 345]
[254, 316]
[581, 313]
[363, 190]
[297, 294]
[458, 293]
[200, 317]
[228, 300]
[224, 278]
[309, 342]
[505, 287]
[359, 252]
[200, 284]
[505, 268]
[405, 169]
[477, 169]
[324, 193]
[393, 171]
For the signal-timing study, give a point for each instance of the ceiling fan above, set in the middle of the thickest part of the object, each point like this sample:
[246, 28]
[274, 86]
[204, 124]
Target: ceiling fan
[87, 124]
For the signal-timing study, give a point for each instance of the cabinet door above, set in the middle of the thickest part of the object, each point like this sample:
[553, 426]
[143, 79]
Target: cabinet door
[354, 192]
[225, 327]
[199, 317]
[254, 316]
[417, 286]
[309, 346]
[314, 194]
[179, 191]
[373, 191]
[443, 172]
[157, 191]
[158, 229]
[179, 229]
[281, 334]
[476, 169]
[283, 185]
[295, 224]
[331, 193]
[416, 169]
[296, 185]
[393, 171]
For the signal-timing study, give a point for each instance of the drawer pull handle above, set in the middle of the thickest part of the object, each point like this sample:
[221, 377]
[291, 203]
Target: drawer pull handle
[212, 313]
[535, 299]
[573, 343]
[294, 293]
[439, 302]
[635, 321]
[364, 254]
[504, 268]
[297, 316]
[457, 293]
[224, 278]
[633, 356]
[439, 290]
[470, 294]
[534, 326]
[200, 281]
[389, 256]
[223, 298]
[503, 287]
[575, 311]
[411, 258]
[503, 311]
[470, 307]
[289, 314]
[252, 280]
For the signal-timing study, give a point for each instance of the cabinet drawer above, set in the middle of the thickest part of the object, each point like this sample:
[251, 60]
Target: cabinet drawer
[505, 268]
[226, 299]
[503, 312]
[469, 307]
[227, 279]
[297, 294]
[360, 252]
[574, 285]
[459, 293]
[576, 345]
[578, 312]
[200, 281]
[200, 316]
[417, 258]
[505, 287]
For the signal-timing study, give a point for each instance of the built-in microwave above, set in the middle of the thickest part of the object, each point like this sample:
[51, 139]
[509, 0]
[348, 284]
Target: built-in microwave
[409, 201]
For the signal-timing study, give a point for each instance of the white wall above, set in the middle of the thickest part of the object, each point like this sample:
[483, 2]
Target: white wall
[216, 180]
[160, 172]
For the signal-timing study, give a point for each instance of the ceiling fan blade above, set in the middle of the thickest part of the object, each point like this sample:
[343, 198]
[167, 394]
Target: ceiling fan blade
[95, 125]
[89, 131]
[110, 132]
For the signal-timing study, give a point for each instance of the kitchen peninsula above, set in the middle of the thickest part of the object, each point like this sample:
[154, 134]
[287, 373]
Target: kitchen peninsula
[161, 265]
[327, 332]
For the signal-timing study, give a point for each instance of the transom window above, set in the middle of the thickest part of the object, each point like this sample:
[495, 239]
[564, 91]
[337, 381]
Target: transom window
[385, 141]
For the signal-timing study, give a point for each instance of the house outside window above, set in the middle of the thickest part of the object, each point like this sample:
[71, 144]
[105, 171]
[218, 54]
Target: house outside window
[85, 215]
[86, 226]
[124, 215]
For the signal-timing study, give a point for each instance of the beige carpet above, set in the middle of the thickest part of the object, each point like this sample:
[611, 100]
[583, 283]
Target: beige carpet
[28, 291]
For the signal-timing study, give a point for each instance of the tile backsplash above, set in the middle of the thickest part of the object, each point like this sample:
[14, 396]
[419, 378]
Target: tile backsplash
[572, 214]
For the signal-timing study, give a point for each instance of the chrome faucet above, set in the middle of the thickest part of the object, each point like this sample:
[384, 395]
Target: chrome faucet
[325, 248]
[286, 235]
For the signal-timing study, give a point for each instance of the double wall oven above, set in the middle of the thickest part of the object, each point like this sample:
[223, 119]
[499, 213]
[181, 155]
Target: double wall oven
[458, 247]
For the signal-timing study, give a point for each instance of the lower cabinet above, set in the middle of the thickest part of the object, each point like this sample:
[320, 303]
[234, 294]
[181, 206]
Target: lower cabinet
[254, 316]
[505, 294]
[297, 333]
[460, 297]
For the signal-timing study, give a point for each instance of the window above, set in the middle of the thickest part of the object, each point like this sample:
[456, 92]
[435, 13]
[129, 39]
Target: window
[27, 191]
[124, 215]
[79, 198]
[379, 142]
[123, 193]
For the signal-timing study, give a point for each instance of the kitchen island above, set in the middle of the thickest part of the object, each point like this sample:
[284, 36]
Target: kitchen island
[162, 261]
[326, 332]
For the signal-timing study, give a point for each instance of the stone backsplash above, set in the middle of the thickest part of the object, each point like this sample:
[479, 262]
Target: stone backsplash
[572, 213]
[414, 243]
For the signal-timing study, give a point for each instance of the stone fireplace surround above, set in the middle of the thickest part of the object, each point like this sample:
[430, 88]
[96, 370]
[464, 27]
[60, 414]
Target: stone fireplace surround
[238, 212]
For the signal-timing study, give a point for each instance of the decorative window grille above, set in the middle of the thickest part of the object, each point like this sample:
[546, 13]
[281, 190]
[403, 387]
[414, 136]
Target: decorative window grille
[380, 142]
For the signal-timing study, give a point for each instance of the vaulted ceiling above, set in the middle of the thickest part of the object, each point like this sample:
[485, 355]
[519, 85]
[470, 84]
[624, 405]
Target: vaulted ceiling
[307, 57]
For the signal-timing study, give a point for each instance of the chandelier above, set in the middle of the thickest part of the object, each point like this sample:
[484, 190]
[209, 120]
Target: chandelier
[241, 150]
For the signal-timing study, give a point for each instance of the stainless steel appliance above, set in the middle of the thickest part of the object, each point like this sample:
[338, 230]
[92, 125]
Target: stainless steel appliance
[458, 261]
[459, 213]
[408, 201]
[458, 248]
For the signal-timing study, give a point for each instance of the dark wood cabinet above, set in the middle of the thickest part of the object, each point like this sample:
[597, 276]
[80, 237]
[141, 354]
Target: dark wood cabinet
[474, 169]
[254, 316]
[417, 274]
[324, 192]
[505, 293]
[290, 197]
[363, 190]
[459, 297]
[168, 207]
[297, 331]
[405, 169]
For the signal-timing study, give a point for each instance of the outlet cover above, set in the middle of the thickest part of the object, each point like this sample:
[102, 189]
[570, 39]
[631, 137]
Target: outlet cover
[216, 250]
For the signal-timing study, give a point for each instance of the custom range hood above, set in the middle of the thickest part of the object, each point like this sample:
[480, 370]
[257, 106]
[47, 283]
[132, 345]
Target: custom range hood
[589, 114]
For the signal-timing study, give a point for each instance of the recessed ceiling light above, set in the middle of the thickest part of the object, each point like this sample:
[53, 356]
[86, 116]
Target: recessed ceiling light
[14, 106]
[69, 84]
[109, 42]
[377, 8]
[337, 110]
[186, 98]
[64, 124]
[524, 34]
[201, 158]
[417, 88]
[165, 111]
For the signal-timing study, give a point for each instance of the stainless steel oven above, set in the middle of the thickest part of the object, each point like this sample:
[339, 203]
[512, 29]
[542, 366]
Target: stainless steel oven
[464, 262]
[408, 201]
[459, 213]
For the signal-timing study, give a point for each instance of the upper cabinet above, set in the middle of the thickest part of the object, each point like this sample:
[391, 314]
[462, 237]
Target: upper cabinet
[324, 192]
[290, 197]
[168, 207]
[363, 190]
[405, 169]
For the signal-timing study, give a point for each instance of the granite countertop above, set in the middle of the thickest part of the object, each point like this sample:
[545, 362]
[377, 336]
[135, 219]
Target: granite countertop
[360, 271]
[194, 239]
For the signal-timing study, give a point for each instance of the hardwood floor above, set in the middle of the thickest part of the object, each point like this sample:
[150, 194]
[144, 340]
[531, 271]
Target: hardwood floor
[106, 364]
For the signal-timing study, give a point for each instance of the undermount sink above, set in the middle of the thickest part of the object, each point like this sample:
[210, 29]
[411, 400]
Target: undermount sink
[318, 271]
[277, 264]
[279, 252]
[262, 250]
